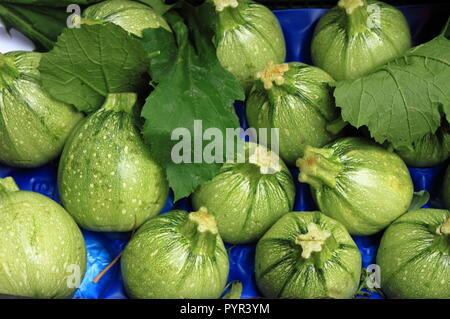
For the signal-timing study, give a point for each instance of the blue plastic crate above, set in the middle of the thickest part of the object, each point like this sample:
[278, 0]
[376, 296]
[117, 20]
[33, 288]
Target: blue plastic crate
[298, 26]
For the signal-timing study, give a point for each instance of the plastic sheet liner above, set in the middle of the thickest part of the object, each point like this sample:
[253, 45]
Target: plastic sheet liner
[103, 248]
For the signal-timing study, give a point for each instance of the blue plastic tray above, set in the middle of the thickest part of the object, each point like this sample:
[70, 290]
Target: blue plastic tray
[102, 248]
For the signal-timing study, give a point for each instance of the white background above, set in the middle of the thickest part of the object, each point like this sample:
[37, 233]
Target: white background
[13, 41]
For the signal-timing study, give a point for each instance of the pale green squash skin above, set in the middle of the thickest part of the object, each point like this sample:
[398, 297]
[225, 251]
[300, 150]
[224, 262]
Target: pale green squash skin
[446, 189]
[39, 243]
[133, 17]
[348, 47]
[414, 259]
[247, 38]
[281, 271]
[301, 108]
[159, 262]
[107, 179]
[431, 150]
[245, 202]
[33, 126]
[372, 188]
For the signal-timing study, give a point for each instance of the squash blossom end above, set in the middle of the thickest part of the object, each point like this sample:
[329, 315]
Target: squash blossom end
[273, 73]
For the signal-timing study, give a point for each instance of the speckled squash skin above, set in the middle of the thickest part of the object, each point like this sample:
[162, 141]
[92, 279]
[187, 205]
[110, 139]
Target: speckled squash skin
[414, 255]
[33, 126]
[42, 250]
[244, 200]
[132, 16]
[173, 257]
[107, 179]
[282, 270]
[446, 188]
[301, 108]
[431, 150]
[247, 38]
[358, 183]
[351, 40]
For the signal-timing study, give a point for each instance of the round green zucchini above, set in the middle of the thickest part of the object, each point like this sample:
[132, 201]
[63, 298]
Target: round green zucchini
[414, 255]
[358, 36]
[295, 98]
[107, 178]
[358, 183]
[248, 197]
[307, 255]
[247, 37]
[33, 126]
[176, 255]
[42, 250]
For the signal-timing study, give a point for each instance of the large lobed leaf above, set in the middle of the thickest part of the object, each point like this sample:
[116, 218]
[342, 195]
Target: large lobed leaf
[403, 100]
[192, 85]
[89, 62]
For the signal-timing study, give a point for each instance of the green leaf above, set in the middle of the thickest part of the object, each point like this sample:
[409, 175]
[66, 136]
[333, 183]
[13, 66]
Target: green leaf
[53, 3]
[163, 42]
[89, 62]
[419, 199]
[42, 25]
[405, 99]
[193, 86]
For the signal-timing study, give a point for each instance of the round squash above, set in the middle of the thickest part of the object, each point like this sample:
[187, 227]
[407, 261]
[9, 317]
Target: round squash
[42, 250]
[307, 255]
[357, 36]
[132, 16]
[107, 178]
[358, 183]
[176, 255]
[247, 37]
[33, 126]
[296, 99]
[414, 255]
[247, 197]
[431, 150]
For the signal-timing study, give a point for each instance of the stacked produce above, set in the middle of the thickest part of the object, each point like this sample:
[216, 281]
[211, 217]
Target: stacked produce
[113, 94]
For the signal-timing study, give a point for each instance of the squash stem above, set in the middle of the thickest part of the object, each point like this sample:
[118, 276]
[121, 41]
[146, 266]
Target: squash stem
[319, 167]
[220, 5]
[316, 245]
[229, 17]
[120, 102]
[8, 71]
[357, 15]
[444, 229]
[442, 237]
[8, 185]
[336, 126]
[201, 229]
